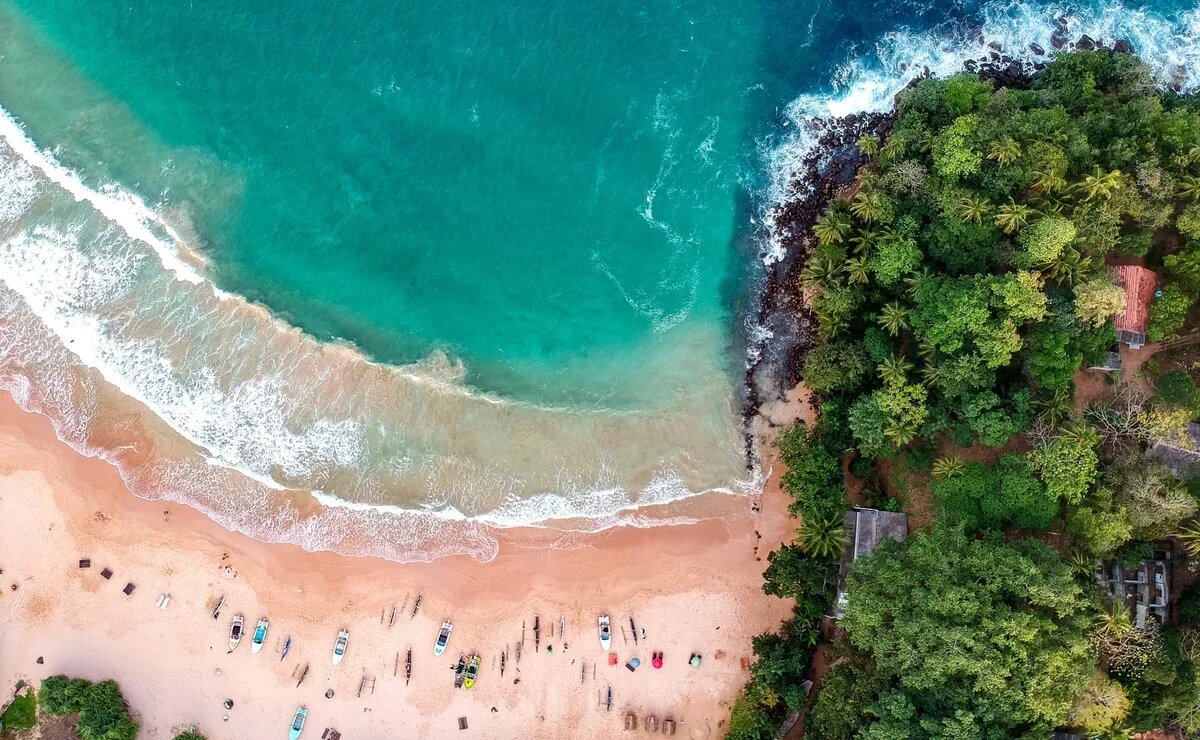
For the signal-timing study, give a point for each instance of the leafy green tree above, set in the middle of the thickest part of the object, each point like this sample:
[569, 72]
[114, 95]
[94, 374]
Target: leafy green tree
[1044, 240]
[1167, 314]
[1097, 524]
[1052, 359]
[836, 367]
[814, 477]
[1007, 495]
[953, 155]
[1188, 222]
[1177, 390]
[896, 256]
[794, 574]
[1156, 503]
[974, 635]
[844, 704]
[1019, 295]
[1067, 464]
[1097, 301]
[1101, 706]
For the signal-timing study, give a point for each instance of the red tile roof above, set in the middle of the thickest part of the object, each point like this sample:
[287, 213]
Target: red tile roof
[1139, 284]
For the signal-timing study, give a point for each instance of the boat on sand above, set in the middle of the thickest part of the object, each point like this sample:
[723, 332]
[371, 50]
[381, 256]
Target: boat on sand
[443, 638]
[605, 632]
[235, 632]
[460, 671]
[298, 723]
[472, 671]
[260, 635]
[339, 647]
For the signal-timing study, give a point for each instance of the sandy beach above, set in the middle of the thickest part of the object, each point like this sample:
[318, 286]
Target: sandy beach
[691, 588]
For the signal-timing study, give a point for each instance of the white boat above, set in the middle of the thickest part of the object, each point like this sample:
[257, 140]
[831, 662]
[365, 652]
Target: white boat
[235, 632]
[260, 635]
[298, 723]
[605, 632]
[443, 638]
[339, 647]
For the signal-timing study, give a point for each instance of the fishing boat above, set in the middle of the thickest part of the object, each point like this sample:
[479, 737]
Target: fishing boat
[216, 612]
[286, 647]
[460, 671]
[298, 723]
[472, 672]
[605, 632]
[235, 632]
[260, 635]
[339, 647]
[443, 638]
[408, 667]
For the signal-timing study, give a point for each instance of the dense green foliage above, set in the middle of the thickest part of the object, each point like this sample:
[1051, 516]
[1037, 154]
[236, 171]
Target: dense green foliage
[103, 714]
[959, 288]
[190, 736]
[977, 638]
[21, 714]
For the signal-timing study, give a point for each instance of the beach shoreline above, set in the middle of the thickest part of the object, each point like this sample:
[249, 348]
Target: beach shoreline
[693, 587]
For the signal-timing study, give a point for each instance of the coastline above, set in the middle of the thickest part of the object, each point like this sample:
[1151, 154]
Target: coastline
[692, 587]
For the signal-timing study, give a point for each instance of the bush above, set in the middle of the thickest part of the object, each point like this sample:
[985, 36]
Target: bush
[62, 695]
[104, 715]
[1167, 314]
[1177, 389]
[189, 736]
[22, 713]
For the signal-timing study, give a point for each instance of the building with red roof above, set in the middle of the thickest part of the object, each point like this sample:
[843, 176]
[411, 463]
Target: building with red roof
[1139, 285]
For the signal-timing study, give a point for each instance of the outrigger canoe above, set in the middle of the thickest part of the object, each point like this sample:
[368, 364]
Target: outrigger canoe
[298, 723]
[605, 632]
[443, 638]
[460, 671]
[260, 635]
[472, 672]
[339, 647]
[235, 631]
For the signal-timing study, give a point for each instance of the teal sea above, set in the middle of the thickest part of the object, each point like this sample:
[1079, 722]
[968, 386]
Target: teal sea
[379, 277]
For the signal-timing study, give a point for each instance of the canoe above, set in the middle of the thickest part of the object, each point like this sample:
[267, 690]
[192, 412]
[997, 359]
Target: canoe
[443, 638]
[339, 647]
[298, 723]
[235, 631]
[605, 632]
[460, 671]
[260, 636]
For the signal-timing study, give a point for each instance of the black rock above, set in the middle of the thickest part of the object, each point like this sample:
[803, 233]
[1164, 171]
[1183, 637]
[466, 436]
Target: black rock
[1123, 46]
[995, 45]
[993, 56]
[1085, 42]
[1037, 49]
[41, 660]
[971, 65]
[1058, 39]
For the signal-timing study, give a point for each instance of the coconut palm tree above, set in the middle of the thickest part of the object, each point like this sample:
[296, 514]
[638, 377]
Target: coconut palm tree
[893, 148]
[1083, 564]
[945, 468]
[931, 375]
[1114, 619]
[894, 370]
[1100, 184]
[821, 272]
[972, 208]
[823, 538]
[869, 146]
[1189, 537]
[1005, 151]
[1054, 409]
[831, 228]
[864, 243]
[866, 205]
[1188, 188]
[913, 281]
[893, 318]
[1068, 267]
[1048, 181]
[856, 270]
[1013, 216]
[900, 432]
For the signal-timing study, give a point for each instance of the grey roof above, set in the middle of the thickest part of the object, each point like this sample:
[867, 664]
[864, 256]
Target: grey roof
[1182, 459]
[866, 528]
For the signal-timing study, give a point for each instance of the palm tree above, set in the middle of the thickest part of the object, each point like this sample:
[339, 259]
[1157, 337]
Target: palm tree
[823, 538]
[1114, 620]
[945, 468]
[821, 272]
[1189, 188]
[900, 432]
[972, 208]
[1083, 564]
[830, 324]
[869, 146]
[1068, 267]
[913, 281]
[893, 318]
[894, 370]
[1013, 216]
[893, 148]
[1189, 537]
[1005, 151]
[1100, 184]
[856, 270]
[1048, 181]
[831, 228]
[864, 243]
[866, 205]
[1055, 408]
[931, 375]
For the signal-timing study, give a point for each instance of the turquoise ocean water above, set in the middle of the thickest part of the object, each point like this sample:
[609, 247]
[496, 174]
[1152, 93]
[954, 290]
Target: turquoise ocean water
[519, 240]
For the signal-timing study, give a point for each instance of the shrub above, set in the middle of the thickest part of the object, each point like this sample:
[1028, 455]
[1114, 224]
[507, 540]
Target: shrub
[1167, 314]
[22, 713]
[62, 695]
[104, 715]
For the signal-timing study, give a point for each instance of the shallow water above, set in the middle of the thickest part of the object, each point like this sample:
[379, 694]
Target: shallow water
[378, 277]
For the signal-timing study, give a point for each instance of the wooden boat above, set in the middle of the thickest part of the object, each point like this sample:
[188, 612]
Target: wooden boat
[472, 671]
[460, 671]
[216, 612]
[443, 637]
[298, 723]
[605, 632]
[286, 647]
[339, 647]
[408, 667]
[235, 632]
[260, 635]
